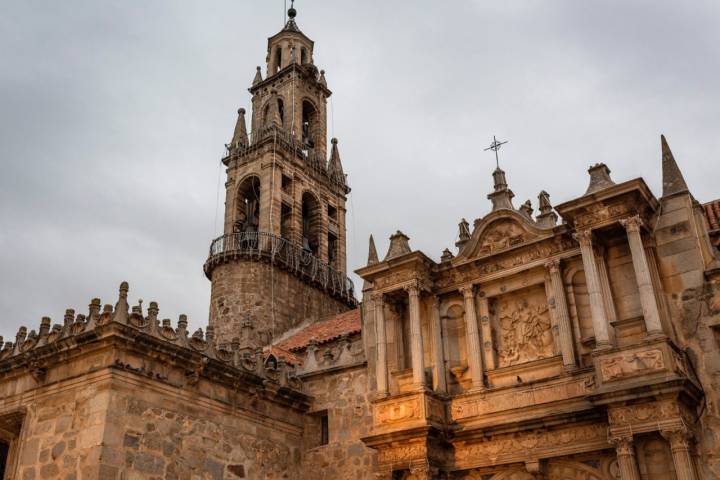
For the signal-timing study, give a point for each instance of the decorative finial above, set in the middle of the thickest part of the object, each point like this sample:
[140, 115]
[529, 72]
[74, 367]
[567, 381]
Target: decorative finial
[292, 12]
[463, 233]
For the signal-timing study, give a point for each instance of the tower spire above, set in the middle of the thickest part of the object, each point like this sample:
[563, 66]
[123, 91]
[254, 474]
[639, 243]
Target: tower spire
[335, 170]
[672, 178]
[240, 135]
[372, 252]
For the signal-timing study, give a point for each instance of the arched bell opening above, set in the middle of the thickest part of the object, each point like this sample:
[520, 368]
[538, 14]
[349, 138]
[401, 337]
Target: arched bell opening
[248, 206]
[310, 120]
[311, 220]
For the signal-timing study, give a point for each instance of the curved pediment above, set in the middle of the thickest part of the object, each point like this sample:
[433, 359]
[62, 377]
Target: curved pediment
[500, 231]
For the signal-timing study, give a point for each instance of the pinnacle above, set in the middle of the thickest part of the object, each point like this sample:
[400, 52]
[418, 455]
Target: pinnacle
[672, 178]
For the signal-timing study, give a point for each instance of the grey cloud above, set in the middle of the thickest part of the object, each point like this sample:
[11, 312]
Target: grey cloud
[113, 117]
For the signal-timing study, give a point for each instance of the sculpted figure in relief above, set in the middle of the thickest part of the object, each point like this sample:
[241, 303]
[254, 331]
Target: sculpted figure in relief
[525, 333]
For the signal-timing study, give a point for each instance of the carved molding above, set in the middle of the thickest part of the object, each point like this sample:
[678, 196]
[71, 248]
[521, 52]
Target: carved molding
[535, 444]
[631, 364]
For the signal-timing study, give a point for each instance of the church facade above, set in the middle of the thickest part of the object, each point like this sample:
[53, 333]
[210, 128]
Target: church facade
[581, 342]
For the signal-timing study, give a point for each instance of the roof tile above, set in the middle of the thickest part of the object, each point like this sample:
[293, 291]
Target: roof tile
[324, 331]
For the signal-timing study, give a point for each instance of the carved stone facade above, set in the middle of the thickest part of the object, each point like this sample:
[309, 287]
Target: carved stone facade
[583, 343]
[553, 351]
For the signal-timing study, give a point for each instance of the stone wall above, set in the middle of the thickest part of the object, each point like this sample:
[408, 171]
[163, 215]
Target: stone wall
[345, 395]
[182, 437]
[63, 430]
[244, 289]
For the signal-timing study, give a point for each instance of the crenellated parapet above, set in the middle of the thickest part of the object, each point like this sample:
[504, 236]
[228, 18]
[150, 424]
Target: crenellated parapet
[143, 333]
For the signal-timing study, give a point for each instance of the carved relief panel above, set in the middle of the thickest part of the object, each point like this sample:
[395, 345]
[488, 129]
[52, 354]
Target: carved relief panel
[522, 327]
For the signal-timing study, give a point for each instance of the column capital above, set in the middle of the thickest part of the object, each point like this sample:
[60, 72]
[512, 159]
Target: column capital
[553, 266]
[623, 444]
[632, 224]
[467, 290]
[584, 237]
[413, 289]
[679, 438]
[377, 297]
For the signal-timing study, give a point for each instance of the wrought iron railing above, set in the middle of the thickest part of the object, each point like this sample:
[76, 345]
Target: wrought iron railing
[279, 251]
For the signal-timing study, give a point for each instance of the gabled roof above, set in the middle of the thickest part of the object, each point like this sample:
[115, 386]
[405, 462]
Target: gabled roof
[324, 331]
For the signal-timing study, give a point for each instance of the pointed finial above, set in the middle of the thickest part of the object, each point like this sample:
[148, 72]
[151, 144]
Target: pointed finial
[335, 170]
[240, 135]
[446, 256]
[322, 80]
[399, 245]
[672, 178]
[274, 113]
[372, 252]
[258, 76]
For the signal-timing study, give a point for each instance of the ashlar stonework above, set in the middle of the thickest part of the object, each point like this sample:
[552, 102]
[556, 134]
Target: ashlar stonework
[579, 343]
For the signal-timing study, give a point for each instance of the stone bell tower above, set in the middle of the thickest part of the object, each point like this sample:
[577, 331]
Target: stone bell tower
[281, 260]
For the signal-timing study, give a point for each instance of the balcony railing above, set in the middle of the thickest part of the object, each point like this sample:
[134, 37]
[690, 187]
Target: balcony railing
[311, 157]
[277, 250]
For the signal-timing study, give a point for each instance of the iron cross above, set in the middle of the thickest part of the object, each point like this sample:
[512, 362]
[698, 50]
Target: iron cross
[495, 146]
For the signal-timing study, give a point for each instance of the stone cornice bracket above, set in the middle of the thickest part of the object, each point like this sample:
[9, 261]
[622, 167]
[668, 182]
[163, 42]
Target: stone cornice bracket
[632, 224]
[583, 237]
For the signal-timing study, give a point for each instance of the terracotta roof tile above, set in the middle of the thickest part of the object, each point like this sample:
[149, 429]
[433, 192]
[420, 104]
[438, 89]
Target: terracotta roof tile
[324, 331]
[712, 212]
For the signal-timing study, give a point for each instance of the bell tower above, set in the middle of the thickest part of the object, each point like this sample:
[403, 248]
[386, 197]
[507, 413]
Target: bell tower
[281, 260]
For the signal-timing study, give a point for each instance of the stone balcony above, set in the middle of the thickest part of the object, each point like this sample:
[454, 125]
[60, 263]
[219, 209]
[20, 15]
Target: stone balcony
[267, 247]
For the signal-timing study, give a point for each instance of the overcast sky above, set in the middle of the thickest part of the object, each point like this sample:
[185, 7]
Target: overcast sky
[113, 116]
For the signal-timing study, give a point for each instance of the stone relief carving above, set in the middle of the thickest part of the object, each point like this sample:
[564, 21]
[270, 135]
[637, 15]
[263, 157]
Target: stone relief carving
[647, 412]
[503, 234]
[598, 212]
[397, 411]
[401, 453]
[525, 332]
[631, 364]
[529, 444]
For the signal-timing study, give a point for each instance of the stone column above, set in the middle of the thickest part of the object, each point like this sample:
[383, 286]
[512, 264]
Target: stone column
[680, 447]
[597, 305]
[642, 275]
[488, 347]
[381, 337]
[562, 315]
[416, 340]
[437, 343]
[472, 337]
[610, 312]
[627, 462]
